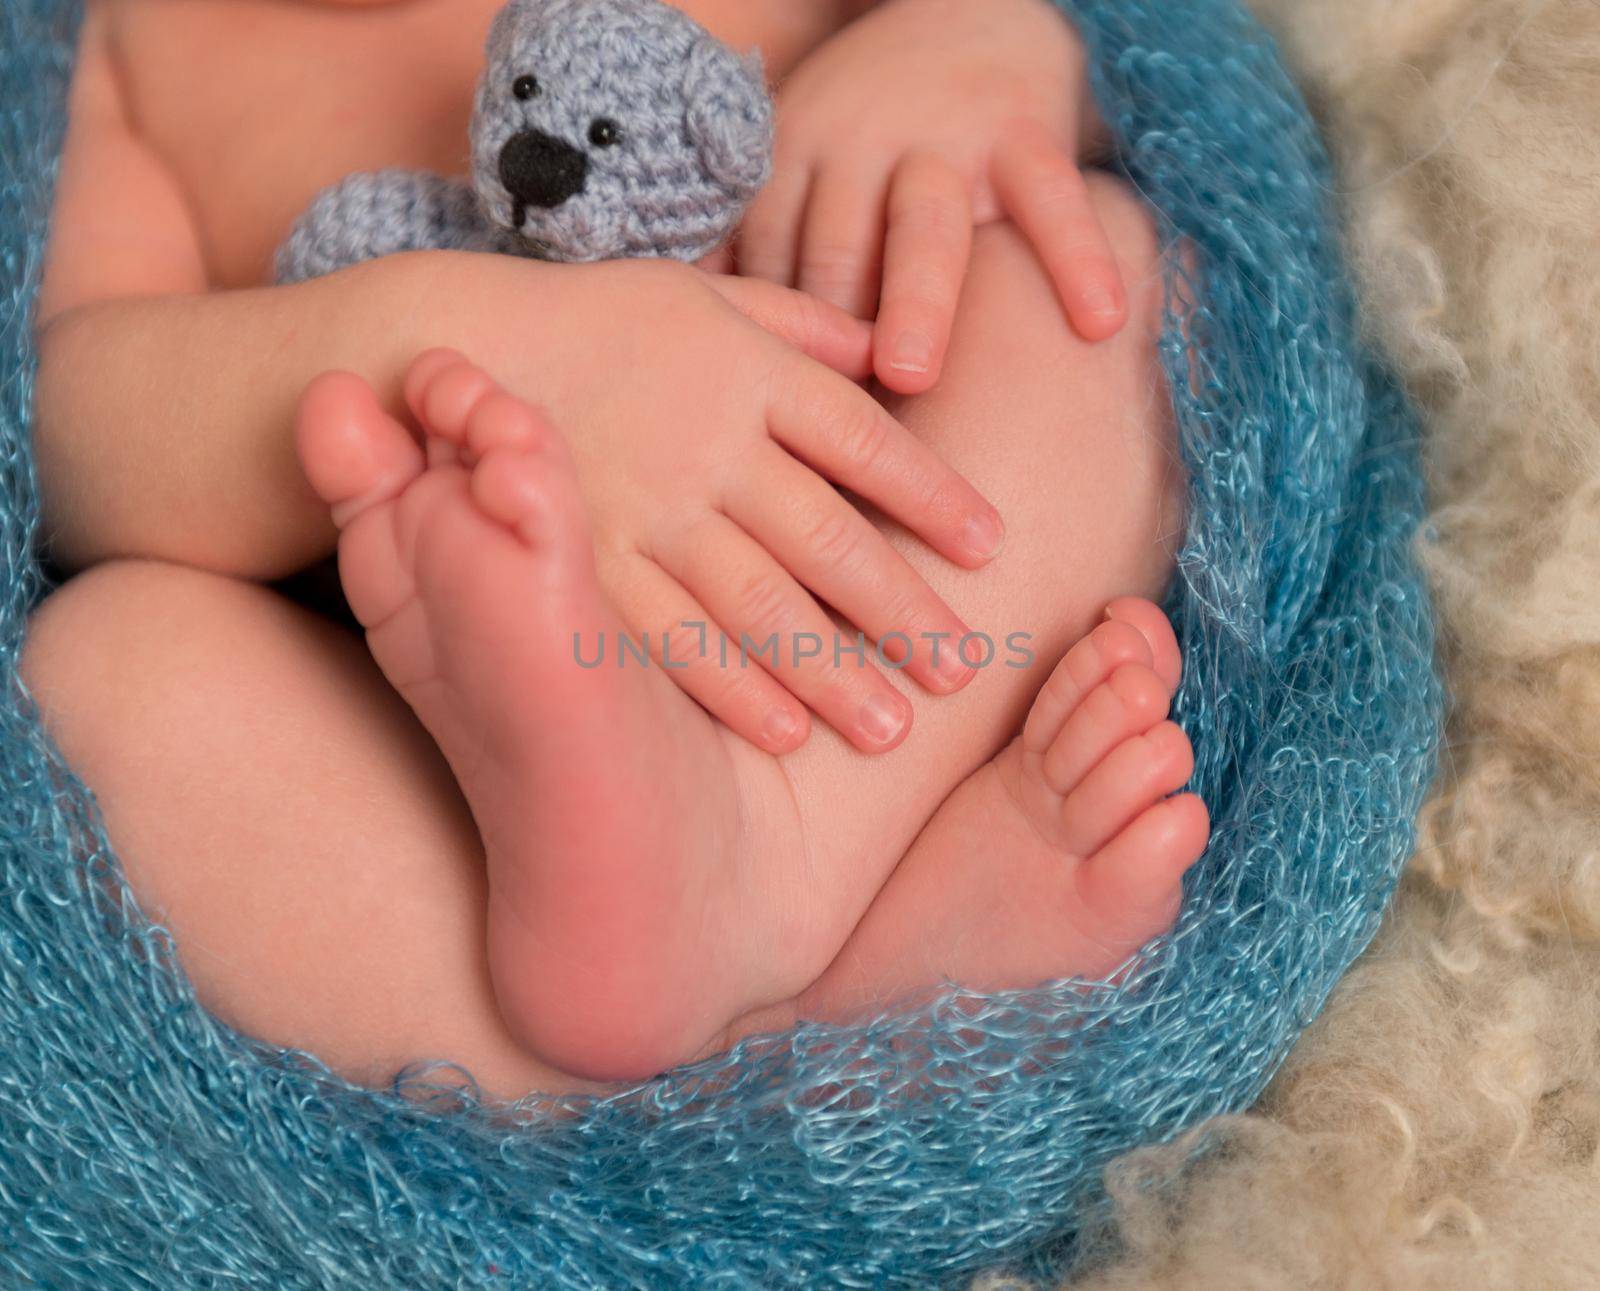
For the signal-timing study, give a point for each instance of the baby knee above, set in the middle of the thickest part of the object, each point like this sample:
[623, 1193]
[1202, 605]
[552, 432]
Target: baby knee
[115, 608]
[123, 645]
[79, 624]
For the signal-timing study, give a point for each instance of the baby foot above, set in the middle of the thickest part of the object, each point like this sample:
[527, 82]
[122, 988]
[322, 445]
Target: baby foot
[1060, 858]
[1093, 769]
[603, 796]
[1090, 776]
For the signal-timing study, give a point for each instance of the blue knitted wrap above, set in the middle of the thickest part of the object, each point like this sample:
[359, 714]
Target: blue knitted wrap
[143, 1144]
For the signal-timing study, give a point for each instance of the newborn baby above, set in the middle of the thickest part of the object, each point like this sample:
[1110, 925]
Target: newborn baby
[493, 833]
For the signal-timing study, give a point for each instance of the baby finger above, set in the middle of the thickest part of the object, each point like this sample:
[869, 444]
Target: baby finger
[841, 431]
[1043, 191]
[924, 260]
[836, 552]
[842, 244]
[769, 239]
[676, 634]
[773, 624]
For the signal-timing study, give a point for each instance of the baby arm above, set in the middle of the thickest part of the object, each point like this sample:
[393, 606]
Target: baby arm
[160, 420]
[161, 408]
[918, 121]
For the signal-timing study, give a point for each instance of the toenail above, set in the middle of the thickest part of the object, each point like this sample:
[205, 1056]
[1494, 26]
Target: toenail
[1119, 643]
[452, 395]
[422, 369]
[882, 719]
[1136, 685]
[501, 419]
[983, 535]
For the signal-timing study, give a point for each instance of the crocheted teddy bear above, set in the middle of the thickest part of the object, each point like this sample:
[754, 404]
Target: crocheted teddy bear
[602, 129]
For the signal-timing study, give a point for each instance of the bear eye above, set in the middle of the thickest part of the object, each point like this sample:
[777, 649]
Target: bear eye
[525, 87]
[604, 132]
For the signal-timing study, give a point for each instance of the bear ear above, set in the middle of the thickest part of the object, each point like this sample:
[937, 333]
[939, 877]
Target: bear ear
[510, 23]
[522, 21]
[728, 116]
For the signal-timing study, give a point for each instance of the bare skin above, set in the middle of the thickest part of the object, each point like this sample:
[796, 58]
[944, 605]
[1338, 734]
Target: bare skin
[810, 884]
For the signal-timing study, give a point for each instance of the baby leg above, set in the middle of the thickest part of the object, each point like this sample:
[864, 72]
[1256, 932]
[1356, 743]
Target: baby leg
[1059, 858]
[1075, 444]
[276, 805]
[614, 812]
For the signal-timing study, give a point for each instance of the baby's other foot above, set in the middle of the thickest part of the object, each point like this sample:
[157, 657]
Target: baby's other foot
[1092, 773]
[1058, 859]
[603, 795]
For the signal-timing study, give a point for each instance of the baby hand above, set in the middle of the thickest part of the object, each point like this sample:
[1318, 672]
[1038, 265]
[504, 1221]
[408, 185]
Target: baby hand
[917, 122]
[706, 448]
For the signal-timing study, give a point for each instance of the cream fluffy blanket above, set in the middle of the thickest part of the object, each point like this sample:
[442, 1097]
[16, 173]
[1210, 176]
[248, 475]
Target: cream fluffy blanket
[1440, 1125]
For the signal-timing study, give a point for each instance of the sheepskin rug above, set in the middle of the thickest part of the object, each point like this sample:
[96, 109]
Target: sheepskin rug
[1440, 1125]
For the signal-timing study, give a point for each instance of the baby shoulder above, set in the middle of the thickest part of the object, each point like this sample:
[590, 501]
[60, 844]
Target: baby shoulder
[121, 225]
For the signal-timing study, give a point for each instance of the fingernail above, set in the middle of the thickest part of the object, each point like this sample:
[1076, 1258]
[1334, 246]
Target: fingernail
[951, 666]
[983, 535]
[779, 728]
[913, 352]
[1098, 300]
[882, 719]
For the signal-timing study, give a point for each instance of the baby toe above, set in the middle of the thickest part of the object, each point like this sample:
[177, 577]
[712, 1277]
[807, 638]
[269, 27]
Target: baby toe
[1129, 702]
[353, 453]
[501, 420]
[1147, 618]
[535, 495]
[1135, 775]
[445, 401]
[1088, 664]
[1132, 887]
[421, 370]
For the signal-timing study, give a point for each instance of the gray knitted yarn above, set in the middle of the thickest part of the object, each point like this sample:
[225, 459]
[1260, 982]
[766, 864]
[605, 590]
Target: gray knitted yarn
[383, 212]
[601, 129]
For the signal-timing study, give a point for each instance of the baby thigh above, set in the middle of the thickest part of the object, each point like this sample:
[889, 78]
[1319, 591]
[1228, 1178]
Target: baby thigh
[1074, 442]
[278, 808]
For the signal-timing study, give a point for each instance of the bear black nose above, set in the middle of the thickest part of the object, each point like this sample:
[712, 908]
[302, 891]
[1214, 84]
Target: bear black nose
[539, 170]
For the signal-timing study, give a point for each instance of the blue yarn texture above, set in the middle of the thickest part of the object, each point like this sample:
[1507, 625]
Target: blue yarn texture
[143, 1144]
